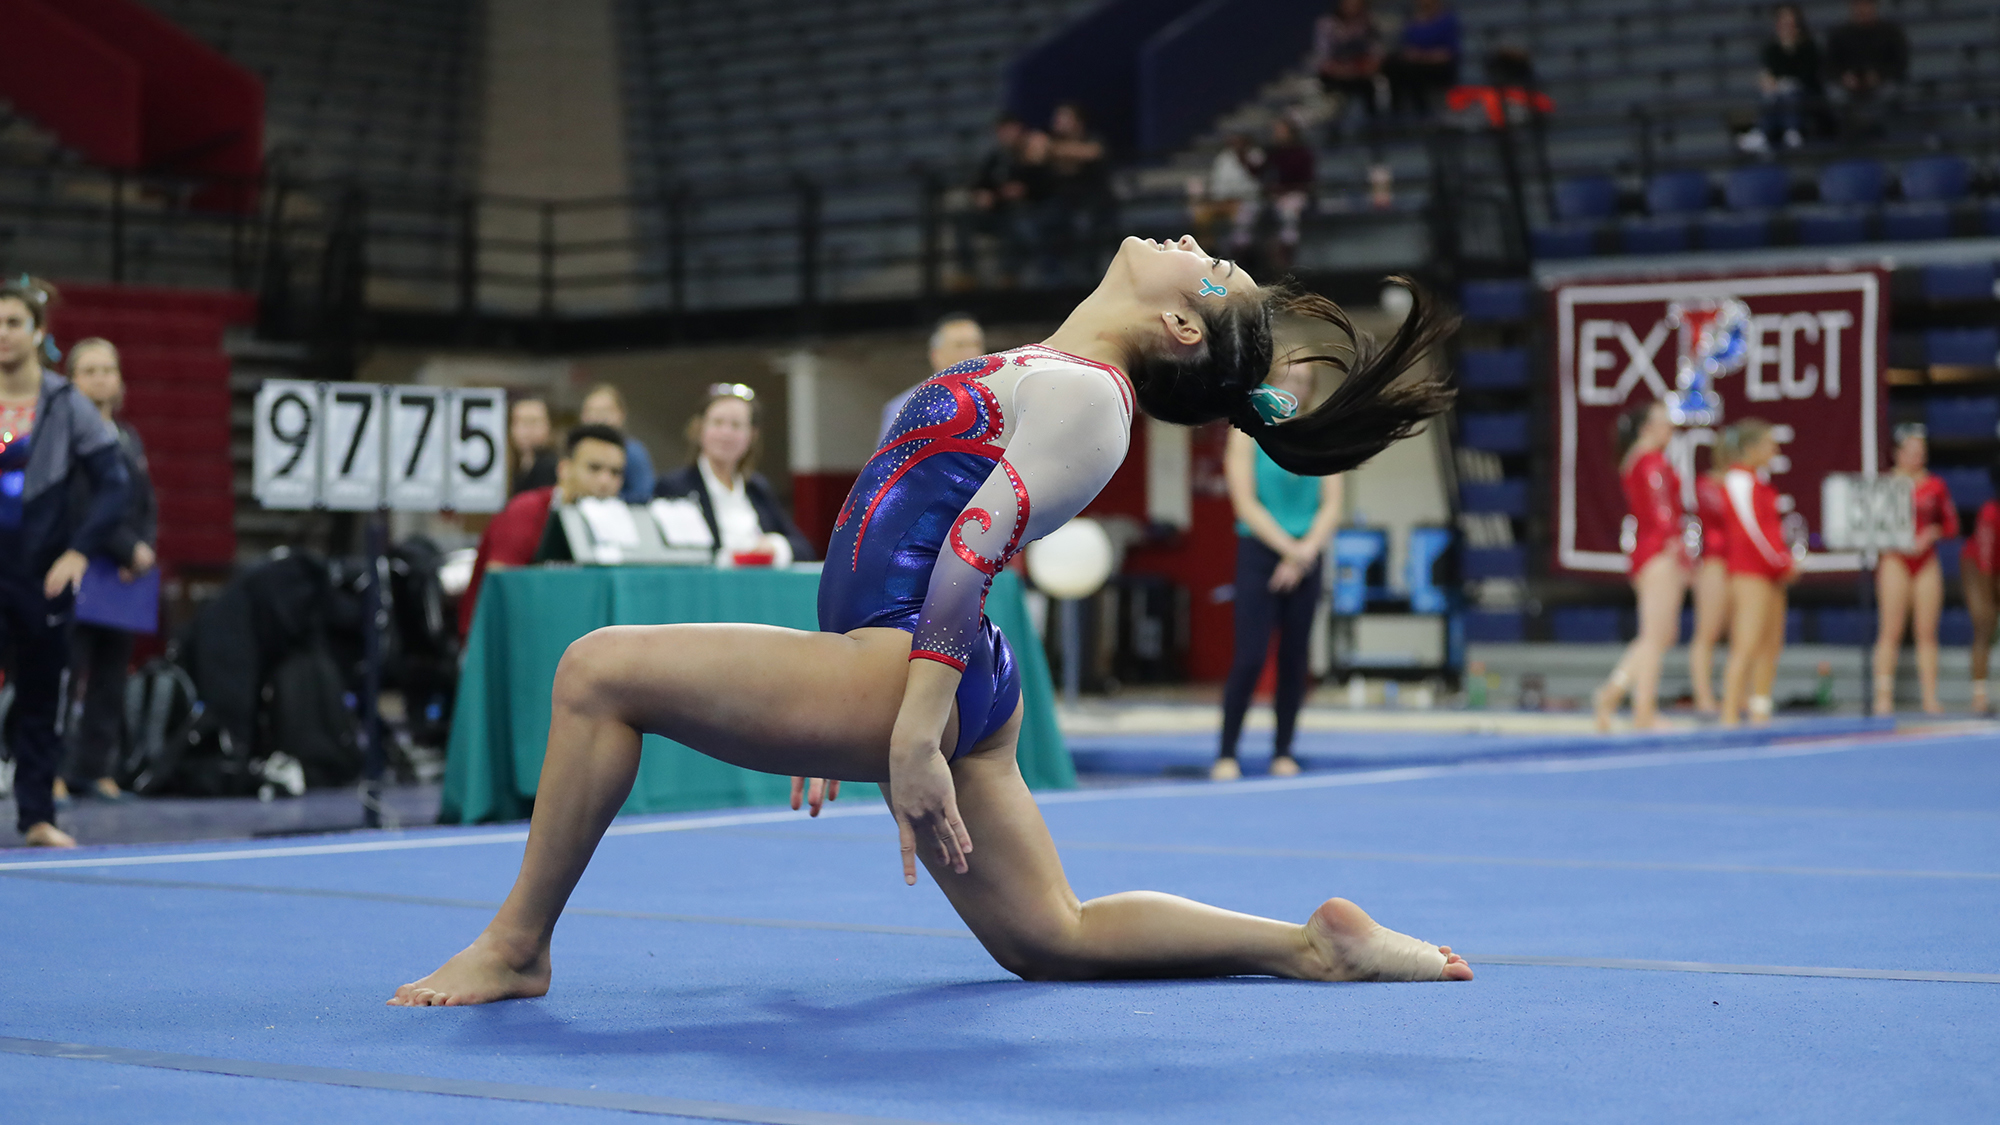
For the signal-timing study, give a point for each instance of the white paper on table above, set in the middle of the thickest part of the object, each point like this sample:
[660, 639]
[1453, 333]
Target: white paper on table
[681, 523]
[610, 522]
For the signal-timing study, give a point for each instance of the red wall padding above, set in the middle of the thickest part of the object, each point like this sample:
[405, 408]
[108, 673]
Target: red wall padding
[72, 82]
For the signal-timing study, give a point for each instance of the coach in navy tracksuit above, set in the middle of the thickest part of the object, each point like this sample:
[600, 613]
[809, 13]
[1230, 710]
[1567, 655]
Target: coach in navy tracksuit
[48, 434]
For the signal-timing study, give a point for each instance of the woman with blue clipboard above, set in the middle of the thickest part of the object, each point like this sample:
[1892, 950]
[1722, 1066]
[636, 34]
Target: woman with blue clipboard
[120, 594]
[49, 437]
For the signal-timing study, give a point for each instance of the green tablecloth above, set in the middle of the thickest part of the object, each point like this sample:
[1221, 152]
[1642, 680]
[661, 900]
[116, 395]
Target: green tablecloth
[528, 617]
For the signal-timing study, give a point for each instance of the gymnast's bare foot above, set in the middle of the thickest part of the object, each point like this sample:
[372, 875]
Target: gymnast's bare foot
[1355, 947]
[485, 971]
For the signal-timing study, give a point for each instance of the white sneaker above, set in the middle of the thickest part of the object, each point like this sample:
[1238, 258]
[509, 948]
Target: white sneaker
[1754, 142]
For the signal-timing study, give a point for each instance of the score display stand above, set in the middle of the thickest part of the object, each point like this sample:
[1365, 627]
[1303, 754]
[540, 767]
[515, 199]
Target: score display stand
[1869, 513]
[376, 448]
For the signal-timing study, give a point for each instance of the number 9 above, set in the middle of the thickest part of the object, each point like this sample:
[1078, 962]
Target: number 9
[297, 438]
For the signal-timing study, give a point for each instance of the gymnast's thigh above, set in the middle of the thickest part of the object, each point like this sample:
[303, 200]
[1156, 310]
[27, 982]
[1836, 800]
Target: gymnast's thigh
[782, 701]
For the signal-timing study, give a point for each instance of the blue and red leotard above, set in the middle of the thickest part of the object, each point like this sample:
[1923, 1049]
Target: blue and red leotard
[984, 458]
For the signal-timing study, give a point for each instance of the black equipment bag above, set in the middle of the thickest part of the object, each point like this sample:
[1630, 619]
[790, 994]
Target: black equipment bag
[309, 718]
[177, 744]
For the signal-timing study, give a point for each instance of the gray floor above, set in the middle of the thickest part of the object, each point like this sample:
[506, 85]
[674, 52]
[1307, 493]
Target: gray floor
[172, 819]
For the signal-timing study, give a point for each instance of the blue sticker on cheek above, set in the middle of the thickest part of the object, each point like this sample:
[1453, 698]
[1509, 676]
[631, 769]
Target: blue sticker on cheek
[1211, 289]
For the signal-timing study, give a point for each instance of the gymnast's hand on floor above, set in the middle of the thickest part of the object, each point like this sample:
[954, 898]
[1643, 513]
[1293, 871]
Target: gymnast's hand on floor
[823, 790]
[925, 803]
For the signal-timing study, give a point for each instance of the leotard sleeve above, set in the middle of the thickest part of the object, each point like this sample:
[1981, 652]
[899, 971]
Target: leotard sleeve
[1947, 511]
[1748, 502]
[1071, 436]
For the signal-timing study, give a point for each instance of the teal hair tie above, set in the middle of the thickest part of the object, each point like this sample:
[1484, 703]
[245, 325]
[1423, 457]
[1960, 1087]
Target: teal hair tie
[1273, 405]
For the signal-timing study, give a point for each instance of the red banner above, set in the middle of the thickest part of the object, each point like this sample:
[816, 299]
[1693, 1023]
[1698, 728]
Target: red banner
[1818, 346]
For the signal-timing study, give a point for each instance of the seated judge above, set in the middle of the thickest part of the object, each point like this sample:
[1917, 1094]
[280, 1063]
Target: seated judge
[592, 465]
[735, 500]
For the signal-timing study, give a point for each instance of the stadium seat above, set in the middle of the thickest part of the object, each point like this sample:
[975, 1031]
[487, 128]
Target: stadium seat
[1948, 551]
[1727, 231]
[1677, 193]
[1582, 198]
[1936, 179]
[1845, 625]
[1962, 347]
[1908, 222]
[1760, 187]
[1495, 562]
[1494, 432]
[1666, 235]
[1969, 488]
[1832, 226]
[1853, 182]
[1493, 369]
[1587, 624]
[1490, 301]
[1563, 241]
[1496, 626]
[1506, 497]
[1971, 281]
[1955, 626]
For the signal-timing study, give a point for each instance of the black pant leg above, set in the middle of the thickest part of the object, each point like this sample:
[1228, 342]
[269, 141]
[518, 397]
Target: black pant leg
[1255, 610]
[1295, 618]
[39, 629]
[99, 658]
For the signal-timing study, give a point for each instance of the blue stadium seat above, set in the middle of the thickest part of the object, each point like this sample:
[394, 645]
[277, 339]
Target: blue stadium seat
[1735, 231]
[1969, 488]
[1795, 626]
[1493, 369]
[1496, 626]
[1857, 182]
[1495, 432]
[1586, 198]
[1909, 222]
[1955, 626]
[1495, 562]
[1587, 624]
[1664, 235]
[1759, 187]
[1991, 217]
[1677, 193]
[1962, 347]
[1957, 417]
[1563, 241]
[1936, 179]
[1971, 281]
[1506, 497]
[1832, 226]
[1948, 551]
[1845, 625]
[1499, 300]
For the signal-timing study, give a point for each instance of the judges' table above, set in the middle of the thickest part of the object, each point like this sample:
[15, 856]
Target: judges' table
[528, 617]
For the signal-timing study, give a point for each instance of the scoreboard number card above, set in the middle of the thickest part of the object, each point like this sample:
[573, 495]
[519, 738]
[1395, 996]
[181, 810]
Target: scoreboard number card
[285, 449]
[351, 451]
[1868, 513]
[416, 449]
[476, 462]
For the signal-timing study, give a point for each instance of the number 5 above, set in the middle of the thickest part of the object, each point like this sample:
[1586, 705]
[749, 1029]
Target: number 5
[467, 433]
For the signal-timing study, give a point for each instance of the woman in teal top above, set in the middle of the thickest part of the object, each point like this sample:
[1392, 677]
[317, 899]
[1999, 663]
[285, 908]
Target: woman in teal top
[1283, 524]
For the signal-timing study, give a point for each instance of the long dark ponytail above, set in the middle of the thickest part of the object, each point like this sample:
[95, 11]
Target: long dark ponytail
[1368, 411]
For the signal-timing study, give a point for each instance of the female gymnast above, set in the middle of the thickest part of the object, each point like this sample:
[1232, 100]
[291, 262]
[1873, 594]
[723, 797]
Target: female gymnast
[908, 683]
[1711, 579]
[1979, 574]
[1658, 563]
[1760, 567]
[1912, 586]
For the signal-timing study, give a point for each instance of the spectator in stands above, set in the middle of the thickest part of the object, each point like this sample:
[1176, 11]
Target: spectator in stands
[100, 654]
[1425, 62]
[743, 516]
[998, 209]
[49, 436]
[605, 406]
[1283, 523]
[528, 429]
[1081, 202]
[593, 465]
[1348, 56]
[1231, 194]
[1788, 82]
[956, 338]
[1289, 175]
[1868, 60]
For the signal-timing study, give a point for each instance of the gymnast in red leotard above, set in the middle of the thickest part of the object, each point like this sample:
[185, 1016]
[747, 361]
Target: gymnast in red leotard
[907, 684]
[1911, 587]
[1760, 567]
[1711, 576]
[1979, 575]
[1657, 564]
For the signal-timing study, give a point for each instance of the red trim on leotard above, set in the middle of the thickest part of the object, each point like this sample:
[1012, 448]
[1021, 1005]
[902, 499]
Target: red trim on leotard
[1124, 383]
[941, 658]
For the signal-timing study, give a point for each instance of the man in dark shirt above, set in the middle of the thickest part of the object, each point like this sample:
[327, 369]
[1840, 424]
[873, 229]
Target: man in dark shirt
[1868, 59]
[593, 466]
[997, 200]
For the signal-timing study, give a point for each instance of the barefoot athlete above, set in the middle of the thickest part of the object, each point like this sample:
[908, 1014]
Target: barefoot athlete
[910, 685]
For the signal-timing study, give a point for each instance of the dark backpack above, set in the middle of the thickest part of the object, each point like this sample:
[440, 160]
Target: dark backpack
[309, 718]
[177, 744]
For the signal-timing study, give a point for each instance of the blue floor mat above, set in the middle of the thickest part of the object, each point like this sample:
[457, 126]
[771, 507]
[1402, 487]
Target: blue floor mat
[1880, 856]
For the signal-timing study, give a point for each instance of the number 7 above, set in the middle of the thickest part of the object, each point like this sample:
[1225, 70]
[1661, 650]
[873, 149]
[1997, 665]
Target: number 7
[429, 405]
[367, 404]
